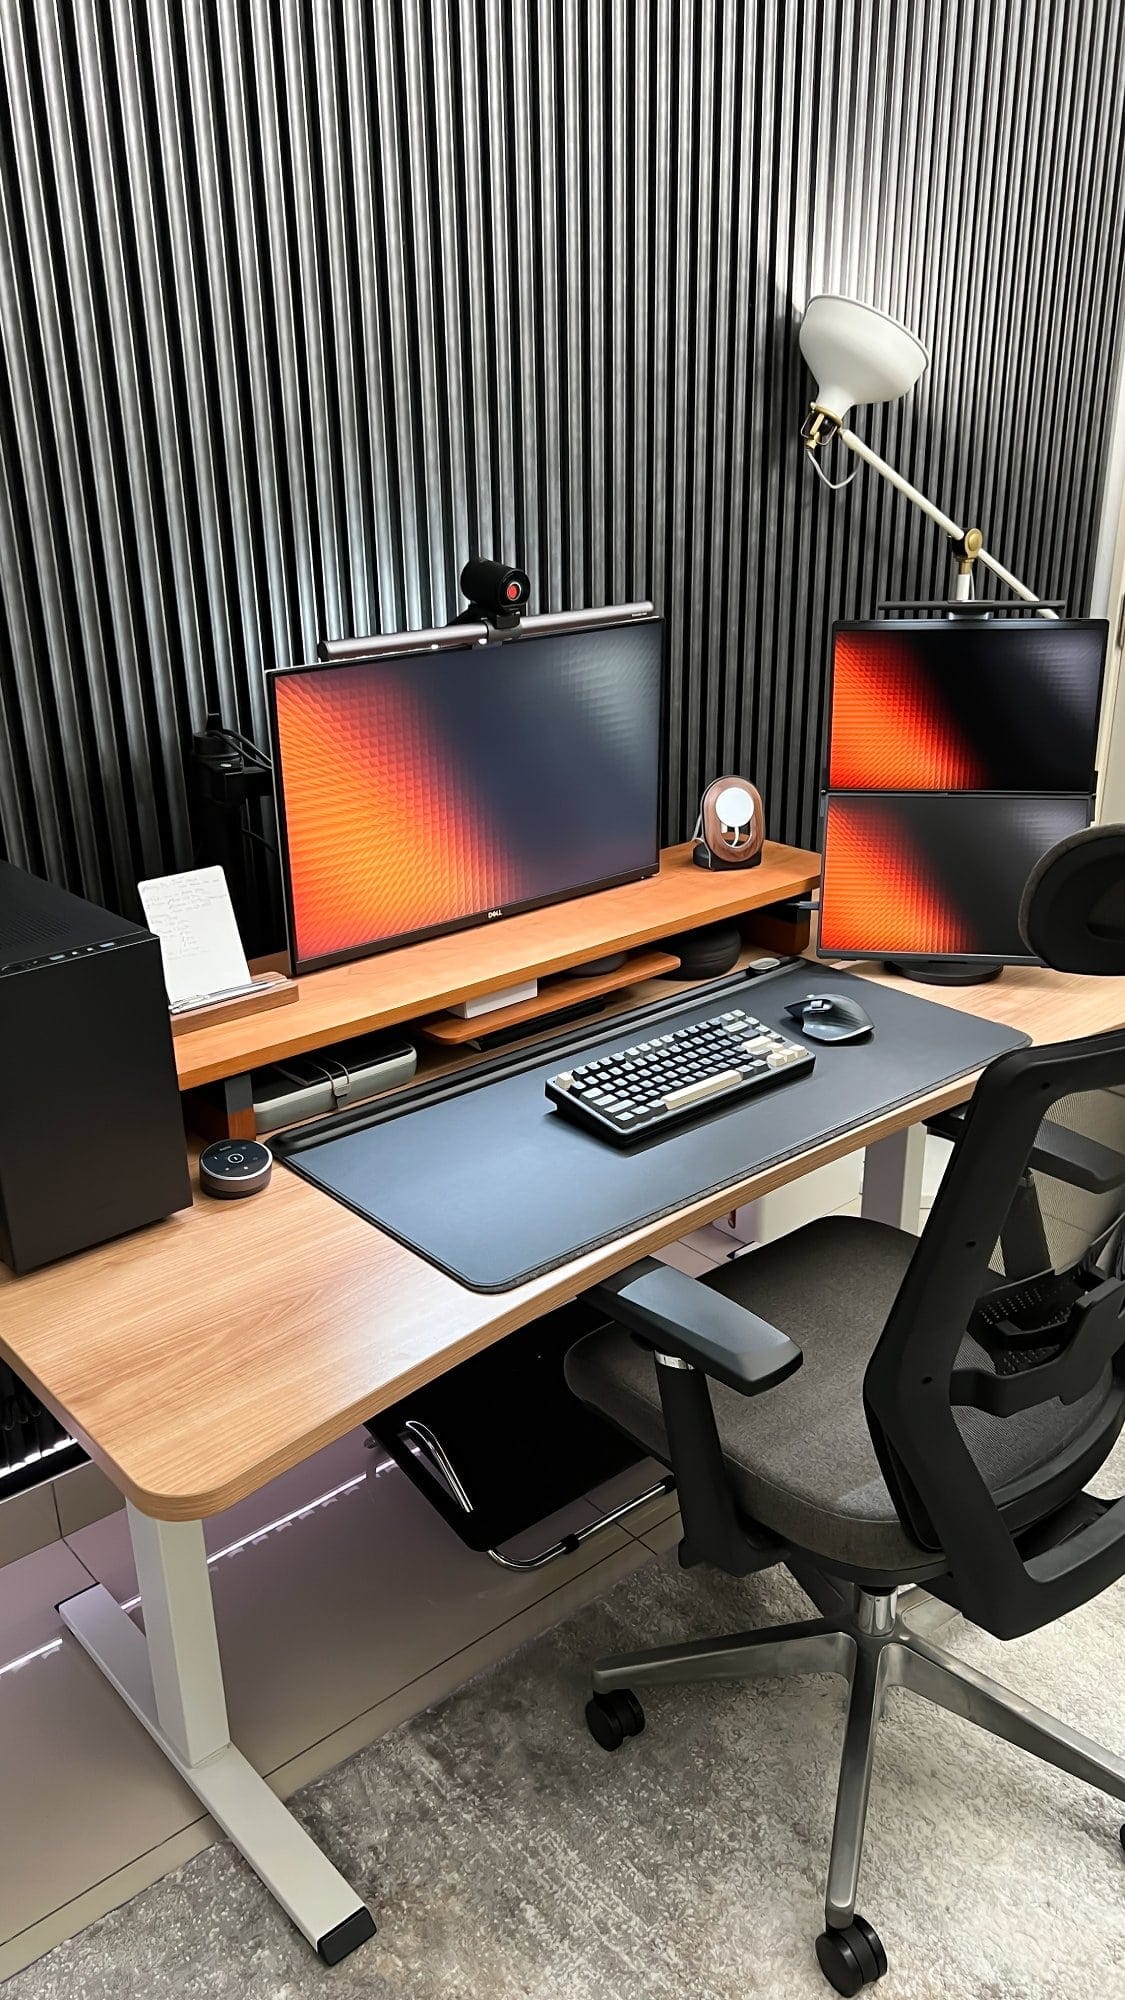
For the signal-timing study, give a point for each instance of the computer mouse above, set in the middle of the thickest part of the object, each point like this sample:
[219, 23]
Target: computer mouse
[831, 1017]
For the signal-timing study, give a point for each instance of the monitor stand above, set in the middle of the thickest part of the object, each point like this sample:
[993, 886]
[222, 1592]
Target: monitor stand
[946, 971]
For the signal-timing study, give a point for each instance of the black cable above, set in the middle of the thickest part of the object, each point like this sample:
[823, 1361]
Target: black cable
[246, 745]
[251, 833]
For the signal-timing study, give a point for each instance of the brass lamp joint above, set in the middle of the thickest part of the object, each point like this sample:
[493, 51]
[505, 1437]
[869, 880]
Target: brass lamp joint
[968, 549]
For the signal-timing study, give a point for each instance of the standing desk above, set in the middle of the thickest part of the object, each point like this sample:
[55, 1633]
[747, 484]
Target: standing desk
[203, 1357]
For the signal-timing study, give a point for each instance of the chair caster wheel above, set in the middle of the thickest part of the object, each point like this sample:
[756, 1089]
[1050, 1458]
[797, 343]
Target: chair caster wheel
[851, 1958]
[611, 1717]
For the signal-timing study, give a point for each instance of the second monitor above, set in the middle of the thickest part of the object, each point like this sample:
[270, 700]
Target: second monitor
[960, 750]
[940, 875]
[966, 705]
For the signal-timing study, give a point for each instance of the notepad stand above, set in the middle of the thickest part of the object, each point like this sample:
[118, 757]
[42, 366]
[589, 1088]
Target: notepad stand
[267, 989]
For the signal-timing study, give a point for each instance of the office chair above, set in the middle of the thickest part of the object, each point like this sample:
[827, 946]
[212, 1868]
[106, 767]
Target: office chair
[930, 1418]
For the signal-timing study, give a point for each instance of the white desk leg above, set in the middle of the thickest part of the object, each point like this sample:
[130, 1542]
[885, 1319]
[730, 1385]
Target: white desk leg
[892, 1178]
[174, 1685]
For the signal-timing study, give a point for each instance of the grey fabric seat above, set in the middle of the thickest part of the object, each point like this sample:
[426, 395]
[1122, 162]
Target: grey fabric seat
[919, 1436]
[800, 1460]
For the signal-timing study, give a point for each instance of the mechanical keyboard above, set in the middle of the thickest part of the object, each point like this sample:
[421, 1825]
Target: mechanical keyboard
[650, 1086]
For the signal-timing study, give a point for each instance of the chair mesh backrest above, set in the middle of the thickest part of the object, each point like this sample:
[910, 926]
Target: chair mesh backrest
[998, 1383]
[1073, 1218]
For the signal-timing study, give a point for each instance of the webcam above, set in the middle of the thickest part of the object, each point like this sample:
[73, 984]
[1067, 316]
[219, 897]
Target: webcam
[496, 591]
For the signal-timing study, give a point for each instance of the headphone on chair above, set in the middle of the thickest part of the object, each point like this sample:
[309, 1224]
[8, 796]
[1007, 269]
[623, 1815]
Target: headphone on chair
[1072, 914]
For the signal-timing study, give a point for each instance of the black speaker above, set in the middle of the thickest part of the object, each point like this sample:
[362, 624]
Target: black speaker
[706, 953]
[91, 1133]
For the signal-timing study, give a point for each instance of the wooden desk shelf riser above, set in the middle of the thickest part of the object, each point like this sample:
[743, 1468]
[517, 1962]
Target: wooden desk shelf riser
[401, 988]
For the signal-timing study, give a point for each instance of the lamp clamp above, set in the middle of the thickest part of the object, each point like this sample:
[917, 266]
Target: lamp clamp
[967, 548]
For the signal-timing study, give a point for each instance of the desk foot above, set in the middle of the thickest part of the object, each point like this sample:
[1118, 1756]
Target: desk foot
[302, 1879]
[347, 1937]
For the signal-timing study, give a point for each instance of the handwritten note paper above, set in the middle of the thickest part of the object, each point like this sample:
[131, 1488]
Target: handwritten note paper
[193, 917]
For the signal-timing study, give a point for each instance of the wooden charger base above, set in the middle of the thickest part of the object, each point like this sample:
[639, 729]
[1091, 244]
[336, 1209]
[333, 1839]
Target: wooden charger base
[271, 989]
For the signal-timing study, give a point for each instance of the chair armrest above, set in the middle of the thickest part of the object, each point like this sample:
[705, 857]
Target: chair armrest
[679, 1316]
[1067, 1156]
[1081, 1162]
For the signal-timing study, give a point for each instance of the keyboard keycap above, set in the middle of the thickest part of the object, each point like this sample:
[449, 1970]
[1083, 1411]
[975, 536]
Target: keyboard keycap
[704, 1087]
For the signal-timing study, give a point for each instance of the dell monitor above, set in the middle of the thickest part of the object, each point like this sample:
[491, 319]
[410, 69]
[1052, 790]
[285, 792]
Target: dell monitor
[959, 750]
[420, 791]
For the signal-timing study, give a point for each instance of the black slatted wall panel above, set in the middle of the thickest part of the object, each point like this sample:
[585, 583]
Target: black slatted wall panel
[302, 302]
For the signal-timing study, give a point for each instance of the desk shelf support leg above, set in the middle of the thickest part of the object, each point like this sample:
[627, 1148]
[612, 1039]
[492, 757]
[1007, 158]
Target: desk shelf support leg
[892, 1178]
[171, 1677]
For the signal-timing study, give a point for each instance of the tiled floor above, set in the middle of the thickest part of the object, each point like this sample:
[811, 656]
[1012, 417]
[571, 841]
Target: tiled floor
[343, 1605]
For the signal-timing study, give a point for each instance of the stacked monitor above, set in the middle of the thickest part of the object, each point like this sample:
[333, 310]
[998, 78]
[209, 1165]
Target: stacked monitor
[959, 751]
[426, 789]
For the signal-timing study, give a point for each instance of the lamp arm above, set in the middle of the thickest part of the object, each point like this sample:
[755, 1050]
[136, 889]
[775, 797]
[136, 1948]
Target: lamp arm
[944, 521]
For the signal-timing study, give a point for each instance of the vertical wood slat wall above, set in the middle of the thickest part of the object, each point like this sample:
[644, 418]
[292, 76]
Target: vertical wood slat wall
[302, 301]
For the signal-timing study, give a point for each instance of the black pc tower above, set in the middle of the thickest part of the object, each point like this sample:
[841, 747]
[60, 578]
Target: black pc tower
[91, 1133]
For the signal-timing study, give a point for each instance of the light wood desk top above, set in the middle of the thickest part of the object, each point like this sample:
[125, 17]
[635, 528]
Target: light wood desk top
[200, 1358]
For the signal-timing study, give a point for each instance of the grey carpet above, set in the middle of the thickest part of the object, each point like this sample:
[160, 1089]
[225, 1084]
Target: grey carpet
[507, 1858]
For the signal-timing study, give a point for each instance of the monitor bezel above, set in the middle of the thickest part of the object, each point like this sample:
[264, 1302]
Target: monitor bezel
[953, 625]
[845, 953]
[421, 645]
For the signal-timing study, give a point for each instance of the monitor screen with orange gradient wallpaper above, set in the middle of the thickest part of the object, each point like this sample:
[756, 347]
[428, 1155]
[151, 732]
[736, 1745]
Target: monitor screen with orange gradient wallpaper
[950, 706]
[934, 875]
[959, 751]
[424, 791]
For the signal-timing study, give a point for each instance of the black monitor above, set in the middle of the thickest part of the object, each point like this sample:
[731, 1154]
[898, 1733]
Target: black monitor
[433, 787]
[935, 874]
[959, 751]
[965, 705]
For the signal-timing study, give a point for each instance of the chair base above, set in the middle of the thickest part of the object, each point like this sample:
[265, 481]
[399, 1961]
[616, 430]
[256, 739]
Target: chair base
[870, 1644]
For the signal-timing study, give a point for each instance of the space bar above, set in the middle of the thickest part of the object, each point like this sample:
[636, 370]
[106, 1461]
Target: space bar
[706, 1087]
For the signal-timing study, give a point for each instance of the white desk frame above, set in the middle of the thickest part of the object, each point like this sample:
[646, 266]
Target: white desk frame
[170, 1674]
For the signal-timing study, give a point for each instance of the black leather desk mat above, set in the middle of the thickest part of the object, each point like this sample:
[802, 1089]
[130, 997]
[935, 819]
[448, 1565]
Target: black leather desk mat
[482, 1176]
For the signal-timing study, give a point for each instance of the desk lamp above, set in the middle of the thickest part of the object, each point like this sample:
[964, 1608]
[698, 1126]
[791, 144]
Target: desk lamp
[859, 355]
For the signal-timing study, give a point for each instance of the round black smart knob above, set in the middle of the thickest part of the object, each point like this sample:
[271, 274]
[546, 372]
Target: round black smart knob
[232, 1168]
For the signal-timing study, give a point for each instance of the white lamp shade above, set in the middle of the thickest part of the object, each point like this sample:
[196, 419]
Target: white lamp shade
[857, 355]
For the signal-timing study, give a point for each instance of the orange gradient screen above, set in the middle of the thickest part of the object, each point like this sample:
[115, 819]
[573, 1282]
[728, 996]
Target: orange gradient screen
[891, 731]
[397, 785]
[932, 876]
[880, 890]
[420, 793]
[999, 706]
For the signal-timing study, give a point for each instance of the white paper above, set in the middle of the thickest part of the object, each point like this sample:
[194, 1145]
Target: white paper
[193, 917]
